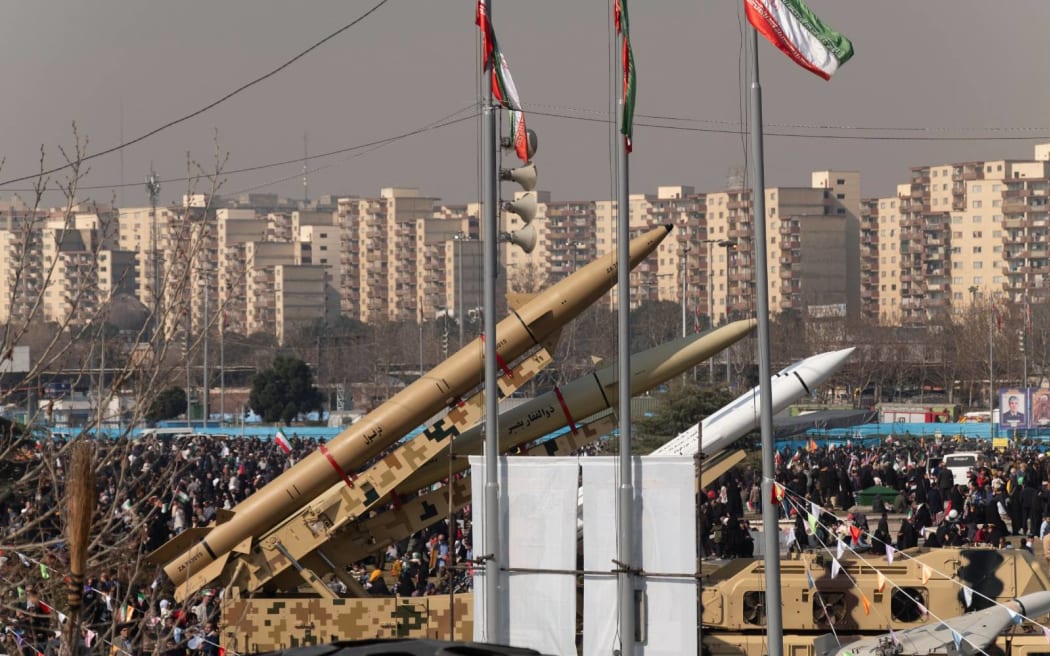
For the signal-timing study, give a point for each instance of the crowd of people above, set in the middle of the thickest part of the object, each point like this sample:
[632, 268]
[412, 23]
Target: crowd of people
[160, 487]
[1006, 496]
[149, 491]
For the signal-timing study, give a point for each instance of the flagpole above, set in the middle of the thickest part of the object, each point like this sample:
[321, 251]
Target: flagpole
[490, 233]
[625, 505]
[770, 524]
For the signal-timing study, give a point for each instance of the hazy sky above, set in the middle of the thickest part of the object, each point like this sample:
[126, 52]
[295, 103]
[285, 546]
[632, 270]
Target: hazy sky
[927, 69]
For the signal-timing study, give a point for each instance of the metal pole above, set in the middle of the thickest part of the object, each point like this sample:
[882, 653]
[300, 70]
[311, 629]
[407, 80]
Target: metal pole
[770, 524]
[459, 285]
[991, 368]
[204, 375]
[710, 305]
[625, 506]
[490, 219]
[685, 289]
[222, 368]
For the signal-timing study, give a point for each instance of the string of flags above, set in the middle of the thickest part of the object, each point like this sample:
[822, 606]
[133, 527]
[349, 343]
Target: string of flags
[927, 572]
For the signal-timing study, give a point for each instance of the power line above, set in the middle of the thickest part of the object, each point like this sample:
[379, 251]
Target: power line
[200, 111]
[435, 125]
[798, 126]
[792, 135]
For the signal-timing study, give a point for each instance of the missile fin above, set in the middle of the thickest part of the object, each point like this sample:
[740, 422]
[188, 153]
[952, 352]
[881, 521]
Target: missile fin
[178, 545]
[201, 578]
[223, 515]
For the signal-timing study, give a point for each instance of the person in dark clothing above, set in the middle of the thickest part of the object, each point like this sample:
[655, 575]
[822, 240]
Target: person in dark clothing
[801, 539]
[921, 517]
[882, 536]
[945, 481]
[1030, 510]
[907, 537]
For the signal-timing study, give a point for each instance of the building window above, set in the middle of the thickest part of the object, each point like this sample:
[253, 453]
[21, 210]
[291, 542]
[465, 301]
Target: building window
[976, 189]
[977, 280]
[977, 218]
[977, 234]
[978, 264]
[997, 187]
[976, 204]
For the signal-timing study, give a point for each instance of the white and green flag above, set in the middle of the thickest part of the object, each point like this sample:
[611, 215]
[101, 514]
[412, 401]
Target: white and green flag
[799, 34]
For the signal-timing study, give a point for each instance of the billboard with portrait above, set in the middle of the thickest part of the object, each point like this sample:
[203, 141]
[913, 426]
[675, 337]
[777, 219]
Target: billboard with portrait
[1039, 408]
[1013, 408]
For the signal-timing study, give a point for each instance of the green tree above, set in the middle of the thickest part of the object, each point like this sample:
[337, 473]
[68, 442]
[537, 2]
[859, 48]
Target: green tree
[284, 391]
[679, 407]
[169, 404]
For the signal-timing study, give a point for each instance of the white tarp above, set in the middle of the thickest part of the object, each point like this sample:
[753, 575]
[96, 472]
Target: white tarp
[665, 543]
[537, 531]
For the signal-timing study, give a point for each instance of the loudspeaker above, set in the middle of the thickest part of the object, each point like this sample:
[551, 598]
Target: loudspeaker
[525, 176]
[524, 238]
[525, 207]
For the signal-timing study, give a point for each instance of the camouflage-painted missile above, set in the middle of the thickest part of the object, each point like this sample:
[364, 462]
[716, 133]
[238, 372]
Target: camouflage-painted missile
[526, 327]
[581, 398]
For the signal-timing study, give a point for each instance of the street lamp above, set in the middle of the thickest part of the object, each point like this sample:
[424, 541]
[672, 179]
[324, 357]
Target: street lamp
[458, 238]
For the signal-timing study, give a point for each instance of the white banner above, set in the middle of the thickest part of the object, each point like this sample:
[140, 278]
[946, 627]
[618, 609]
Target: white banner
[538, 499]
[665, 543]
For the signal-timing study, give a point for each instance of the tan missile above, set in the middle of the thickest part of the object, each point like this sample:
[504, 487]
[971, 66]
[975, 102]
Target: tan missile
[526, 327]
[583, 397]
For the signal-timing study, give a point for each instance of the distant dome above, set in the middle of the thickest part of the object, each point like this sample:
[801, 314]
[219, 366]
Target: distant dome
[126, 313]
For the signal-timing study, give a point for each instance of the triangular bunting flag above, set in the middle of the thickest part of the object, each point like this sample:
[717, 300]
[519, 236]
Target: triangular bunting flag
[889, 554]
[62, 617]
[835, 567]
[44, 574]
[89, 638]
[880, 583]
[922, 609]
[968, 596]
[893, 637]
[1046, 632]
[24, 560]
[866, 603]
[957, 639]
[840, 548]
[854, 532]
[925, 574]
[812, 523]
[814, 509]
[789, 536]
[809, 581]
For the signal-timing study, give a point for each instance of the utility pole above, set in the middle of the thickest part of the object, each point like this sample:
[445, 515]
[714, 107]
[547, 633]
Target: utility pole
[153, 189]
[204, 375]
[306, 172]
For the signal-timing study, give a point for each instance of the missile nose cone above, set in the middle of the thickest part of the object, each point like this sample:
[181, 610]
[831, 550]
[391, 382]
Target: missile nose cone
[1032, 606]
[668, 227]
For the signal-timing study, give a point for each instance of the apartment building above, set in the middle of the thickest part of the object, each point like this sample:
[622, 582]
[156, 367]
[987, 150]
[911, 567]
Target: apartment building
[959, 232]
[812, 248]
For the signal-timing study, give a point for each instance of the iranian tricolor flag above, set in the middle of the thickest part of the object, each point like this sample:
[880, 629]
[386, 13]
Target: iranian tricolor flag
[799, 34]
[630, 83]
[503, 89]
[282, 441]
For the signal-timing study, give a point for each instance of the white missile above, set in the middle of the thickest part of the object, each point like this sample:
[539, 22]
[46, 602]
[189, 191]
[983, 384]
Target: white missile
[722, 428]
